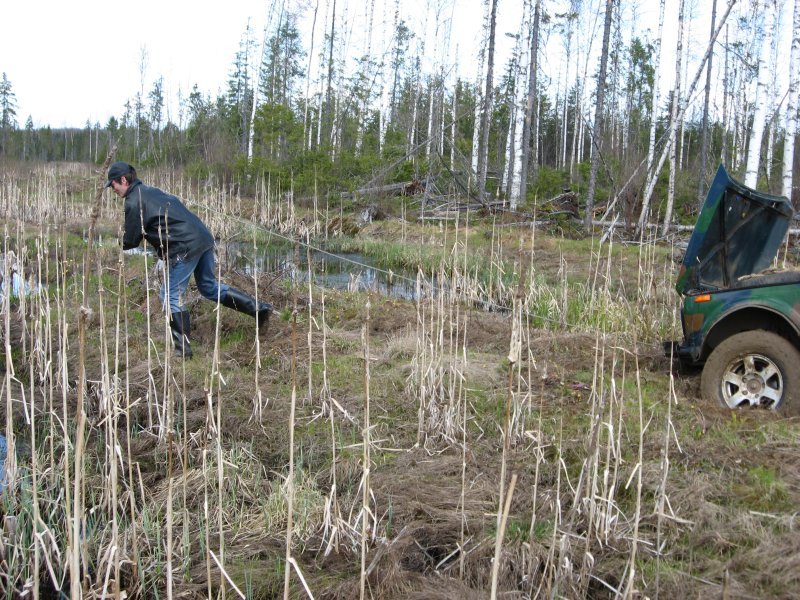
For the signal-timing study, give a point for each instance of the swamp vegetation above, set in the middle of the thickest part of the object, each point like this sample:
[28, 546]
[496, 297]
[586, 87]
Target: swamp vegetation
[512, 430]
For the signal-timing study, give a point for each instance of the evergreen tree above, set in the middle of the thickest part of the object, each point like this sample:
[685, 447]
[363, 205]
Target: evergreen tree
[8, 113]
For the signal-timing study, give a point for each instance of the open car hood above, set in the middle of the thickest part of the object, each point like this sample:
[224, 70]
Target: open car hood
[738, 233]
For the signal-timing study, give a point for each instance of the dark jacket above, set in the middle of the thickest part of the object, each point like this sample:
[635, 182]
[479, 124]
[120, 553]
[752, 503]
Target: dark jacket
[172, 229]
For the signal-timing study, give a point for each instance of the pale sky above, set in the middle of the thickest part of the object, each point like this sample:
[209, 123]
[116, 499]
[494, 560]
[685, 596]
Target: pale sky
[69, 62]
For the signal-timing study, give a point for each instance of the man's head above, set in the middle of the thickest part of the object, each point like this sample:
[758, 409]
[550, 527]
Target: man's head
[120, 177]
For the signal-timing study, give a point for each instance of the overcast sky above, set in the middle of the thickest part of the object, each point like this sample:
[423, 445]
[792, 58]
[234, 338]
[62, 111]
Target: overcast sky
[69, 62]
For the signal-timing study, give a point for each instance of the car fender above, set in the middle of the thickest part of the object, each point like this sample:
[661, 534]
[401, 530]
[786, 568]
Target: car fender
[772, 308]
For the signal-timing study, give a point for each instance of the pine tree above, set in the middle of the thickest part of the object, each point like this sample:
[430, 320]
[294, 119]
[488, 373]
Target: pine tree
[8, 113]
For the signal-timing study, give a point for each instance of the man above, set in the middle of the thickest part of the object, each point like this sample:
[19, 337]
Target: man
[184, 243]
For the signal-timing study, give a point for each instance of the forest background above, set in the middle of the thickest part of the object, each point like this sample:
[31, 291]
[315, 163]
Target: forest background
[329, 98]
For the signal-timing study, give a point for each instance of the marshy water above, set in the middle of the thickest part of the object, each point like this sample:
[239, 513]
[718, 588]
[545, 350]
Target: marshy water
[342, 271]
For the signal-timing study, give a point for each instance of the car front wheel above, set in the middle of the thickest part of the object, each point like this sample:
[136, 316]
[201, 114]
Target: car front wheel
[753, 368]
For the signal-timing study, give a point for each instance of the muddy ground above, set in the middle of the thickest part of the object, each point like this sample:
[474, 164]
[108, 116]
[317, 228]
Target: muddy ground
[616, 461]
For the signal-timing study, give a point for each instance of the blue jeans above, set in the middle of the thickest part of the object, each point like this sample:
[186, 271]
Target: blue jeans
[204, 275]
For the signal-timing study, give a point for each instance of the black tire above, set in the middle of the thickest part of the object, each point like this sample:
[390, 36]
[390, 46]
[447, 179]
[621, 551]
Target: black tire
[753, 368]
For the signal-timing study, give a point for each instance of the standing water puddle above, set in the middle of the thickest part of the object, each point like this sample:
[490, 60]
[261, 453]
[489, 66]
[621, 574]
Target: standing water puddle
[346, 271]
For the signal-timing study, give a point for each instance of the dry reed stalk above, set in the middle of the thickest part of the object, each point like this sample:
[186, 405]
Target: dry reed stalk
[169, 401]
[419, 356]
[366, 466]
[310, 316]
[114, 440]
[107, 409]
[333, 517]
[532, 567]
[216, 378]
[513, 357]
[133, 535]
[78, 579]
[258, 407]
[206, 515]
[152, 397]
[37, 341]
[629, 591]
[290, 477]
[9, 477]
[661, 493]
[501, 530]
[613, 453]
[464, 416]
[462, 399]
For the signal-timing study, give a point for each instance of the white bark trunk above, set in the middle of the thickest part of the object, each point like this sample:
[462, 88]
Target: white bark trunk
[676, 99]
[761, 100]
[651, 182]
[791, 104]
[476, 130]
[306, 124]
[651, 149]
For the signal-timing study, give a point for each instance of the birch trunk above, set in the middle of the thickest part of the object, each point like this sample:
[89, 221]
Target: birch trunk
[651, 182]
[651, 149]
[791, 105]
[328, 112]
[363, 103]
[476, 129]
[723, 154]
[676, 99]
[306, 124]
[597, 133]
[486, 112]
[530, 123]
[701, 179]
[761, 99]
[515, 122]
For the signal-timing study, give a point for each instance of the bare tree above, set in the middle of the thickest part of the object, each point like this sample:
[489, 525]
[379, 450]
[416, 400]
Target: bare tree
[529, 156]
[761, 101]
[653, 175]
[483, 149]
[676, 99]
[791, 104]
[701, 179]
[597, 136]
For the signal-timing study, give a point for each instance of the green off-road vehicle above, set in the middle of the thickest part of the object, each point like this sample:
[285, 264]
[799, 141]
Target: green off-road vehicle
[741, 316]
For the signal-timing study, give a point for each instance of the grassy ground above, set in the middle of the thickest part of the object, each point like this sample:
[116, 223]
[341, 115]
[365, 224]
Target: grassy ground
[540, 448]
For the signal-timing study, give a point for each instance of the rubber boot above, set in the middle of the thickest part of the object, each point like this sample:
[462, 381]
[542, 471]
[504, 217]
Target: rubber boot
[238, 300]
[180, 326]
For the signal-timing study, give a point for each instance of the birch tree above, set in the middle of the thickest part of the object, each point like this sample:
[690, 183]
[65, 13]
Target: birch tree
[653, 175]
[597, 137]
[307, 99]
[327, 119]
[676, 99]
[476, 130]
[701, 179]
[515, 117]
[529, 156]
[791, 105]
[483, 148]
[651, 149]
[369, 66]
[761, 98]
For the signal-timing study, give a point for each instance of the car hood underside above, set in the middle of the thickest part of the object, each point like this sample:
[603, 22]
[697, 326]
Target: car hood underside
[738, 233]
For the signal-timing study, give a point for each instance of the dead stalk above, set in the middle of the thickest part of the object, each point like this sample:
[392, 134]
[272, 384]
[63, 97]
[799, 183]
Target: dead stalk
[290, 477]
[366, 466]
[498, 546]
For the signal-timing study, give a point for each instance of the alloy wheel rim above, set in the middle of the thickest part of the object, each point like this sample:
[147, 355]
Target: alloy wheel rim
[752, 380]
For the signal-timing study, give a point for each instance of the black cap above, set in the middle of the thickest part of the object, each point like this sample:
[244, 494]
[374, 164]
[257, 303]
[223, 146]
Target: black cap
[117, 170]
